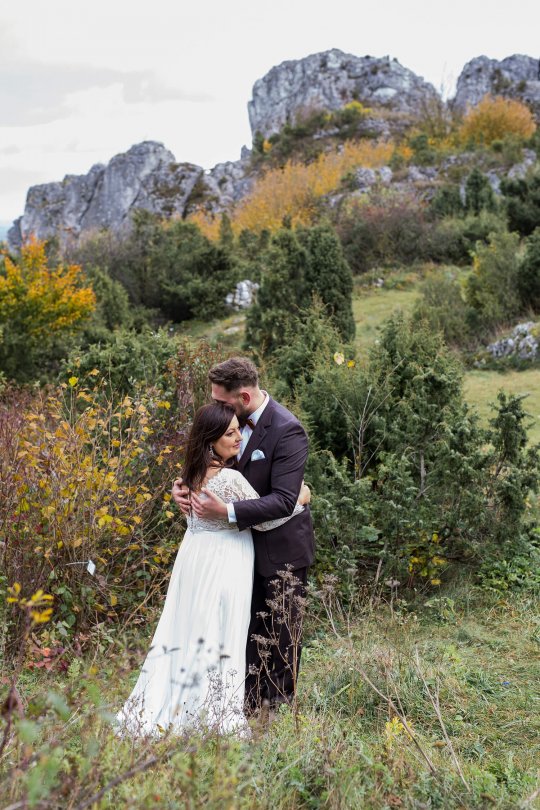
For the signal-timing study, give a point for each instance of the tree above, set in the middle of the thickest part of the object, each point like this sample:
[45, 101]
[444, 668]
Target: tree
[478, 193]
[41, 308]
[495, 118]
[298, 267]
[280, 293]
[328, 277]
[492, 287]
[522, 198]
[528, 276]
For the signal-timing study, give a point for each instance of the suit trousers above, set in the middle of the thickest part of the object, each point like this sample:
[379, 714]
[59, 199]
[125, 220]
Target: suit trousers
[274, 643]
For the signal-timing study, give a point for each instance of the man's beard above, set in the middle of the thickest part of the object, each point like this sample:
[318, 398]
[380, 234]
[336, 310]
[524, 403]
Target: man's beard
[242, 417]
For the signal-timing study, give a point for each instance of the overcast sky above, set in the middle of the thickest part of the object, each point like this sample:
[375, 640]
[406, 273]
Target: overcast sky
[81, 82]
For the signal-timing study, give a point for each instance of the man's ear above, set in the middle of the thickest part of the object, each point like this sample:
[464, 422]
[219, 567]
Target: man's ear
[246, 397]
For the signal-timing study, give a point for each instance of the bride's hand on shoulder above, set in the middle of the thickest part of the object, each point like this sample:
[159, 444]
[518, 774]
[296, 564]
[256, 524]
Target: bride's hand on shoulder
[208, 505]
[180, 495]
[305, 495]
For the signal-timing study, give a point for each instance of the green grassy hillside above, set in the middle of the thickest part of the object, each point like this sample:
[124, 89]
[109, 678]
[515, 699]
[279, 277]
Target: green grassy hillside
[372, 306]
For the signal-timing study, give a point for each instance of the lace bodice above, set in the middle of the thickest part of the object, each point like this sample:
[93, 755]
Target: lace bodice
[230, 486]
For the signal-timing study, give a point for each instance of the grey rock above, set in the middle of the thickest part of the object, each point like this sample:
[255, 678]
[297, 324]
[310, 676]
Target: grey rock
[519, 170]
[328, 81]
[422, 174]
[515, 76]
[226, 184]
[146, 176]
[521, 343]
[365, 178]
[243, 295]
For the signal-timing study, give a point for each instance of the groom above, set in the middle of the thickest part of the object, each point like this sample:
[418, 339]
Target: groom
[272, 457]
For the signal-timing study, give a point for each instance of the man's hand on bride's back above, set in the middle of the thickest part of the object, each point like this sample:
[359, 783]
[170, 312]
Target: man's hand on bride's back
[305, 495]
[180, 495]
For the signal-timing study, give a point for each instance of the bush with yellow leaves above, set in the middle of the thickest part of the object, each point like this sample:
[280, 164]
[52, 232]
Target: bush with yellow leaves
[496, 118]
[294, 192]
[85, 508]
[40, 307]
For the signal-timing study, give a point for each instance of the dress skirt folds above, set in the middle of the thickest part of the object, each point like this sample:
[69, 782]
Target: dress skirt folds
[193, 676]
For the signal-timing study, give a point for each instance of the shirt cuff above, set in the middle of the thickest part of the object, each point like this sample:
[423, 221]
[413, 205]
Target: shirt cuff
[231, 513]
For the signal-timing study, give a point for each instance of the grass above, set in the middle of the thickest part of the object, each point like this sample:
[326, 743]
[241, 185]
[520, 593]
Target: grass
[481, 389]
[371, 306]
[477, 653]
[374, 305]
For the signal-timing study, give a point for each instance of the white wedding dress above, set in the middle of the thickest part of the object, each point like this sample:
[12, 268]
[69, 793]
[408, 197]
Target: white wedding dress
[193, 676]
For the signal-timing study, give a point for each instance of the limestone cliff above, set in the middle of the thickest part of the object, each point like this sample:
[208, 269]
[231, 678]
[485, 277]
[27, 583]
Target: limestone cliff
[330, 80]
[147, 176]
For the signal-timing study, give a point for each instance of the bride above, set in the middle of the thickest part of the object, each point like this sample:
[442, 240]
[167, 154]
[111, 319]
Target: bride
[193, 675]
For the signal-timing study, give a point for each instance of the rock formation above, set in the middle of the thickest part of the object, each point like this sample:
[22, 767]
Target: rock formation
[516, 76]
[147, 175]
[330, 80]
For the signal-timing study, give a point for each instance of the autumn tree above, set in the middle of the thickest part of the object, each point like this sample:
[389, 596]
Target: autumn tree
[41, 309]
[496, 118]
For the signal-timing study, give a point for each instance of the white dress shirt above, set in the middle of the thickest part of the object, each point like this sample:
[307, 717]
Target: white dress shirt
[246, 435]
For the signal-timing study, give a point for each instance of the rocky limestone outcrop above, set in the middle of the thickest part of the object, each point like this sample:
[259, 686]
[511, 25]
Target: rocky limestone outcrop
[516, 76]
[328, 81]
[146, 176]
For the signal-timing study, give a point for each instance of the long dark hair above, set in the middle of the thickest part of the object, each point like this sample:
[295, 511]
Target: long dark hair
[209, 425]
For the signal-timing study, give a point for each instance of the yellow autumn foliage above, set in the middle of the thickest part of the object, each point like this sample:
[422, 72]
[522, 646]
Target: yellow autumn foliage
[43, 301]
[294, 190]
[495, 118]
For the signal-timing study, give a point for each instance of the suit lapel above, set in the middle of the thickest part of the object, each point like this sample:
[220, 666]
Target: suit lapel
[257, 436]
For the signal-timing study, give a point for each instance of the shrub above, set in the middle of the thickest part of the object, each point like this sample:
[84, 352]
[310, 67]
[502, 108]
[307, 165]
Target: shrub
[447, 202]
[125, 359]
[298, 266]
[443, 307]
[86, 479]
[522, 199]
[453, 239]
[494, 118]
[528, 274]
[492, 287]
[387, 228]
[403, 476]
[294, 191]
[167, 266]
[478, 193]
[41, 308]
[327, 276]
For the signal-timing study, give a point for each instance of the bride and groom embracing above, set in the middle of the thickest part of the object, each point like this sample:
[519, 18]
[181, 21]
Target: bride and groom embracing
[229, 637]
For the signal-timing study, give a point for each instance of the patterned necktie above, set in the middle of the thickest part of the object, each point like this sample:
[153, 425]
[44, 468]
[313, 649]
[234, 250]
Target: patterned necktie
[250, 423]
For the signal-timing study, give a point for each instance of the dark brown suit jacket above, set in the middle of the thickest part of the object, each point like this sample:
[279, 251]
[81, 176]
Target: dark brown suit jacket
[277, 478]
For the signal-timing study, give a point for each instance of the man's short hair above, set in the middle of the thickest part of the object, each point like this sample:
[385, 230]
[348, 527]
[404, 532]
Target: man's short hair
[234, 373]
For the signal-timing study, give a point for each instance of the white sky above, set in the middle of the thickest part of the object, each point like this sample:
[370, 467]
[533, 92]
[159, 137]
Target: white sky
[80, 82]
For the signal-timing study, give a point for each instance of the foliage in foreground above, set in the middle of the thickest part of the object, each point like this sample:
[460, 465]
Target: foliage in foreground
[85, 475]
[426, 703]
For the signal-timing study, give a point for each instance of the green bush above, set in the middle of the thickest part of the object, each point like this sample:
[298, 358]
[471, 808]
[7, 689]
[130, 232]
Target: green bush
[169, 266]
[479, 195]
[492, 287]
[447, 202]
[125, 359]
[453, 239]
[299, 266]
[522, 199]
[528, 274]
[406, 477]
[443, 307]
